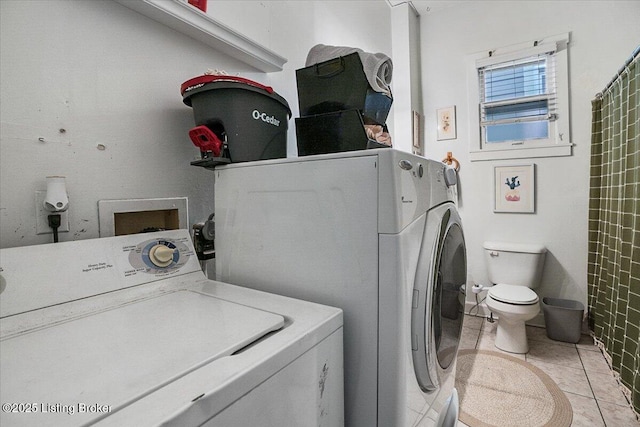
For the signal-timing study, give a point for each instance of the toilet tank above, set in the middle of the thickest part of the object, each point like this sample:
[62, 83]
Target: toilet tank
[514, 263]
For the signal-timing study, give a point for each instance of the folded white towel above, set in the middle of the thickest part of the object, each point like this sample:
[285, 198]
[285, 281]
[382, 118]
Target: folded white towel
[377, 66]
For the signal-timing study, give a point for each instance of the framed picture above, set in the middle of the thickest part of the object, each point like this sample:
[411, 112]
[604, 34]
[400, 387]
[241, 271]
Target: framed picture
[515, 189]
[446, 123]
[415, 121]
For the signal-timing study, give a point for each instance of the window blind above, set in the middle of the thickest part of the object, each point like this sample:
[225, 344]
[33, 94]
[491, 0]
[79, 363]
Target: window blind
[518, 94]
[517, 91]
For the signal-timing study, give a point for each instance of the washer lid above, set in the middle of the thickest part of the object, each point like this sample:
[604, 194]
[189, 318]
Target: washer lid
[513, 294]
[117, 356]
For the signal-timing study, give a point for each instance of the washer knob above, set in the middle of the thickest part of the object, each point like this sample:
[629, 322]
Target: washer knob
[161, 255]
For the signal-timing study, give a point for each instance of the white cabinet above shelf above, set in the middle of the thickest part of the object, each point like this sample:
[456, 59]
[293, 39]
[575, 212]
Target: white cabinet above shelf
[182, 17]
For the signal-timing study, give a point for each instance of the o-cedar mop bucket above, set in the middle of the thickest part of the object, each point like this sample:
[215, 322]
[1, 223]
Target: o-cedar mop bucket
[237, 119]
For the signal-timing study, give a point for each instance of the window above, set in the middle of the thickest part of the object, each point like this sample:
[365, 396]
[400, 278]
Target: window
[516, 101]
[522, 102]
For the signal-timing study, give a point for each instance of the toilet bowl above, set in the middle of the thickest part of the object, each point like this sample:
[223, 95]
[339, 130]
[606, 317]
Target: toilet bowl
[514, 305]
[514, 269]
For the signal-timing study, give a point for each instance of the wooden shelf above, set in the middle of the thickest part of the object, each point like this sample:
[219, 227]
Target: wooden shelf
[182, 17]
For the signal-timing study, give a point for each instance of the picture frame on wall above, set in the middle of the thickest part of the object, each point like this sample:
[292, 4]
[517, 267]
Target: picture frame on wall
[514, 189]
[416, 133]
[446, 123]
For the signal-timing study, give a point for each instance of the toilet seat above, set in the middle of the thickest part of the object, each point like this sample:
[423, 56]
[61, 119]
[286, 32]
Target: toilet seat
[513, 294]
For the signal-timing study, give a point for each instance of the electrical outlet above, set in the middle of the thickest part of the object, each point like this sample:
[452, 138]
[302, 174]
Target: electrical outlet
[42, 222]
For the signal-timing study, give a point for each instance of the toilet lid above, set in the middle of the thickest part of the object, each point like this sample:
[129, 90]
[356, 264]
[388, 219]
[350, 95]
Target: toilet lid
[513, 294]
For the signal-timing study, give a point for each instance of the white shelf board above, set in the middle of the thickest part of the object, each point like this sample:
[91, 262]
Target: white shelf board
[182, 17]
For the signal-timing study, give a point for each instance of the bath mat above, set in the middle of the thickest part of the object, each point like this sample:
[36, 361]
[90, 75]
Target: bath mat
[497, 390]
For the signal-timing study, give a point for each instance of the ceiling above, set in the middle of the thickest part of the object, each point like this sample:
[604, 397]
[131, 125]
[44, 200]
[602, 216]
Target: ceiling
[424, 7]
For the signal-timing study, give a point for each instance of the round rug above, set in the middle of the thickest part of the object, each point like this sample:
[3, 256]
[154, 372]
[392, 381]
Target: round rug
[497, 390]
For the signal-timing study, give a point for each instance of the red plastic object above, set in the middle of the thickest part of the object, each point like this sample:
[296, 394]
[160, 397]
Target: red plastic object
[203, 138]
[200, 4]
[209, 78]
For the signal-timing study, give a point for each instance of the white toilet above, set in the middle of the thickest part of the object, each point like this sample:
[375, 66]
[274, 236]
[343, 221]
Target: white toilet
[514, 269]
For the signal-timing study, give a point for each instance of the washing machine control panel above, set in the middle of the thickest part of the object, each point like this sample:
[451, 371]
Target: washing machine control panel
[160, 255]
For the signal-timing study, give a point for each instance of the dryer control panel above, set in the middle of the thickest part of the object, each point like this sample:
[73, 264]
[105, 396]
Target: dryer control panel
[415, 185]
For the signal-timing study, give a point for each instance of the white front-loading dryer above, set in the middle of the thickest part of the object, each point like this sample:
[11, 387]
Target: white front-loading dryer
[429, 259]
[375, 233]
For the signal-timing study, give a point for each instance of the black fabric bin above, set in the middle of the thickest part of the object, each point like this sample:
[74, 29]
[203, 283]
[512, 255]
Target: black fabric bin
[332, 133]
[340, 84]
[563, 319]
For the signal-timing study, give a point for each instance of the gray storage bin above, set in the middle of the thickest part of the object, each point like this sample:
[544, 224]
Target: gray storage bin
[563, 319]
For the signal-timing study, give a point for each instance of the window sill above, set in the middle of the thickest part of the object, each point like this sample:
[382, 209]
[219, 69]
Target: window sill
[184, 18]
[559, 150]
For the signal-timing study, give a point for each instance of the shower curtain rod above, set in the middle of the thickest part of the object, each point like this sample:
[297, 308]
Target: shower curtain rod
[619, 73]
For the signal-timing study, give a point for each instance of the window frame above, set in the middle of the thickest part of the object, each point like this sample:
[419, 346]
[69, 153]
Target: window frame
[559, 141]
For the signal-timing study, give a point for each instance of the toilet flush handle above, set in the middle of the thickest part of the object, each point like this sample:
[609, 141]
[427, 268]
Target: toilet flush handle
[494, 253]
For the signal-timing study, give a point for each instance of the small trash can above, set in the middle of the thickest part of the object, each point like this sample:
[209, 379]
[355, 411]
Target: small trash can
[563, 319]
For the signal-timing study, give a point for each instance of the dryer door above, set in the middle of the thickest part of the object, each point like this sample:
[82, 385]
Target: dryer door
[438, 295]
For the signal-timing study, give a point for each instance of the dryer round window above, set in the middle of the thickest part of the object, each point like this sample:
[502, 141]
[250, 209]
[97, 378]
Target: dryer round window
[437, 312]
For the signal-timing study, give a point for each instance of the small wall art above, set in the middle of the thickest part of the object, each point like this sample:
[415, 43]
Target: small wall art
[417, 132]
[446, 123]
[515, 189]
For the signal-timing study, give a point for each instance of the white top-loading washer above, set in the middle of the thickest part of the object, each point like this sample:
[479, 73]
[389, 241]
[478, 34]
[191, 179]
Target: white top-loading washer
[128, 331]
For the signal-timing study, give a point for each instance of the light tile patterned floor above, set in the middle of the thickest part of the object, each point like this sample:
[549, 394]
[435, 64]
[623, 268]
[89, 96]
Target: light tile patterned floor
[580, 370]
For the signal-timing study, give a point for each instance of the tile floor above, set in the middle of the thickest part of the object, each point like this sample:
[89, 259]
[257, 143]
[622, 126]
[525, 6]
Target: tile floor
[580, 370]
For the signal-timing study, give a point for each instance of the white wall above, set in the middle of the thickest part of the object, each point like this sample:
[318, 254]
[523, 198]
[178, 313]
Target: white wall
[110, 76]
[603, 36]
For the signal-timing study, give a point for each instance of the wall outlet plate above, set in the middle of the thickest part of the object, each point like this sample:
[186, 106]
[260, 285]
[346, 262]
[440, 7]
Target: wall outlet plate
[42, 222]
